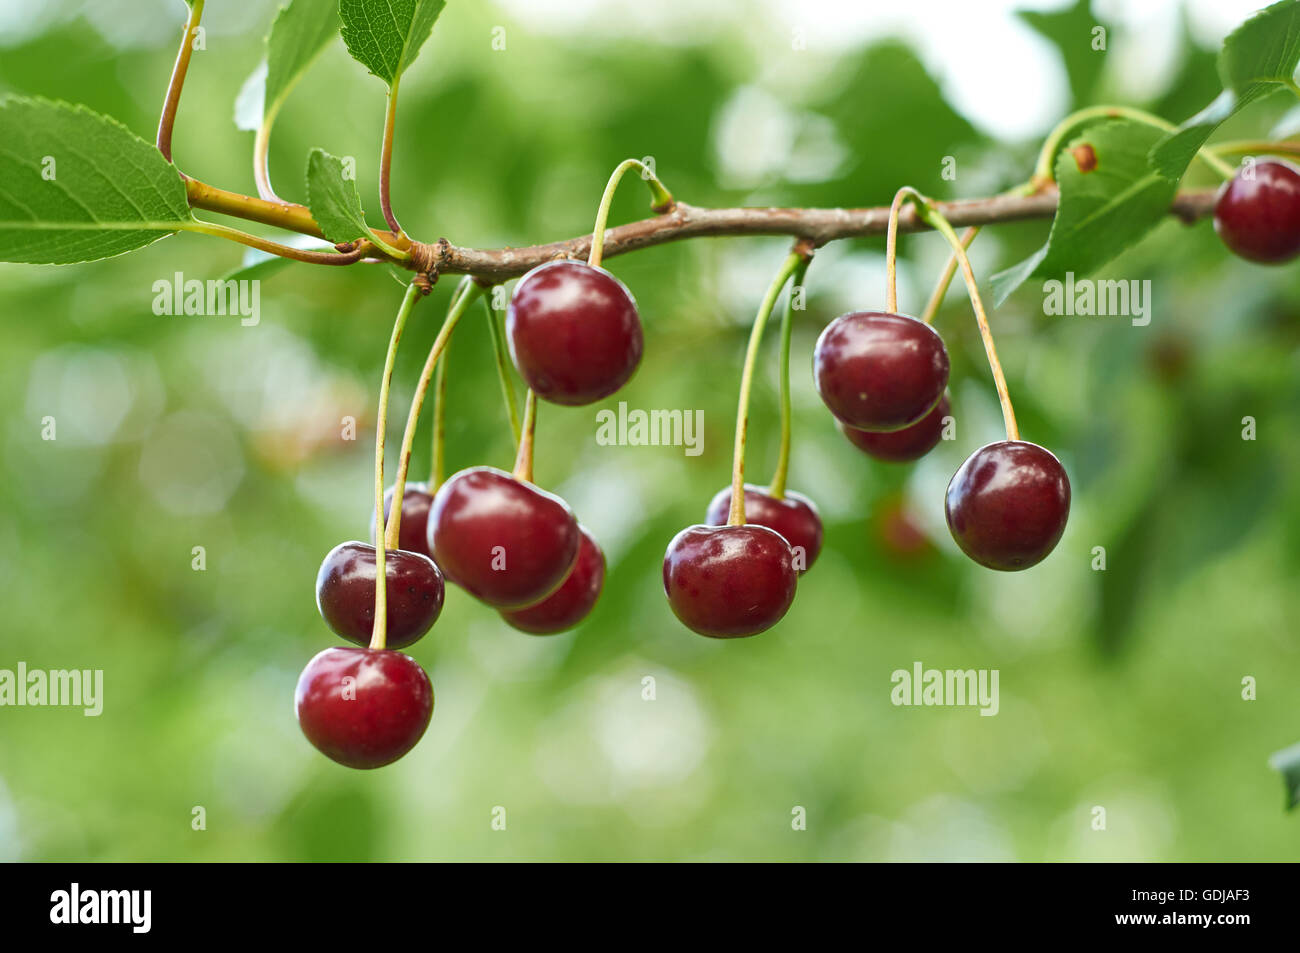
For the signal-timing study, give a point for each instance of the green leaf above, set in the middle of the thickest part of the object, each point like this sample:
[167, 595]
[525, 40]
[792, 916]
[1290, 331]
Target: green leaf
[1287, 762]
[333, 199]
[78, 186]
[1102, 210]
[385, 36]
[300, 33]
[1257, 58]
[1070, 31]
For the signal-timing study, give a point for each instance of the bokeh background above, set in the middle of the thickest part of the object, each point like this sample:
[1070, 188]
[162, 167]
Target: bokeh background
[1120, 688]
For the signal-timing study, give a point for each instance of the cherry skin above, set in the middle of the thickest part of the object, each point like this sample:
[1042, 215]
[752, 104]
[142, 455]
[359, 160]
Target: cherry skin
[795, 518]
[728, 582]
[574, 332]
[880, 371]
[504, 541]
[411, 535]
[364, 708]
[345, 593]
[902, 446]
[573, 601]
[1007, 504]
[1259, 217]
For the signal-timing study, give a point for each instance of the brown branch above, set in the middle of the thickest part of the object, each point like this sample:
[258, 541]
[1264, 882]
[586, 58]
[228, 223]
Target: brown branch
[815, 225]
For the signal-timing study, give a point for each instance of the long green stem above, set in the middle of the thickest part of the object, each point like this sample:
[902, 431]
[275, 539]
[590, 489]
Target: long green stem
[945, 278]
[891, 245]
[438, 452]
[362, 250]
[524, 458]
[931, 214]
[662, 201]
[1255, 147]
[379, 634]
[386, 159]
[460, 304]
[172, 101]
[777, 487]
[737, 515]
[503, 366]
[1043, 170]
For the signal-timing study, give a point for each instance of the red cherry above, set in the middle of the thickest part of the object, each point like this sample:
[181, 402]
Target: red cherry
[729, 581]
[572, 602]
[574, 332]
[880, 371]
[411, 535]
[902, 446]
[504, 541]
[345, 593]
[795, 517]
[1258, 213]
[1008, 503]
[364, 708]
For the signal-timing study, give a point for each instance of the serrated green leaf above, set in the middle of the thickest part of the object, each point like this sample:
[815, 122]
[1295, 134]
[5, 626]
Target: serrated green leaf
[78, 186]
[301, 31]
[333, 199]
[1287, 763]
[1257, 58]
[1101, 211]
[385, 36]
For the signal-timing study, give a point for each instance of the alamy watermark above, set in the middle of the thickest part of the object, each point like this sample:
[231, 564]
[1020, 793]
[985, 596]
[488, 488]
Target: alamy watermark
[55, 688]
[651, 428]
[176, 296]
[946, 687]
[1128, 298]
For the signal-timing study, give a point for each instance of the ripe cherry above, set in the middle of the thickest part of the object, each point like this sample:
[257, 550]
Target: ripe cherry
[1258, 213]
[364, 708]
[571, 603]
[729, 581]
[505, 541]
[411, 534]
[795, 517]
[880, 371]
[1007, 504]
[574, 332]
[902, 446]
[345, 593]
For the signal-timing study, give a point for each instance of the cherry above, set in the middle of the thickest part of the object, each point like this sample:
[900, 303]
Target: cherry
[411, 535]
[1007, 504]
[880, 371]
[729, 581]
[902, 446]
[795, 517]
[574, 332]
[345, 593]
[505, 541]
[1258, 213]
[571, 603]
[364, 708]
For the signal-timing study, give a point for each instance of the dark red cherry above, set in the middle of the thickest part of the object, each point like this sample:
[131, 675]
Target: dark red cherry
[902, 446]
[1007, 504]
[880, 371]
[411, 535]
[345, 593]
[795, 517]
[364, 708]
[570, 604]
[1258, 213]
[729, 581]
[504, 541]
[574, 332]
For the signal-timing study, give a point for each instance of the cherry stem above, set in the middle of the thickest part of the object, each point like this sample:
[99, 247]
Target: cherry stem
[386, 159]
[379, 635]
[172, 100]
[503, 367]
[935, 219]
[524, 458]
[777, 487]
[460, 303]
[362, 250]
[1043, 170]
[891, 245]
[438, 453]
[945, 278]
[661, 202]
[736, 517]
[262, 161]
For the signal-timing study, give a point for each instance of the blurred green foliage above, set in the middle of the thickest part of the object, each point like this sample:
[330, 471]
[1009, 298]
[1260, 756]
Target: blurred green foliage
[1119, 688]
